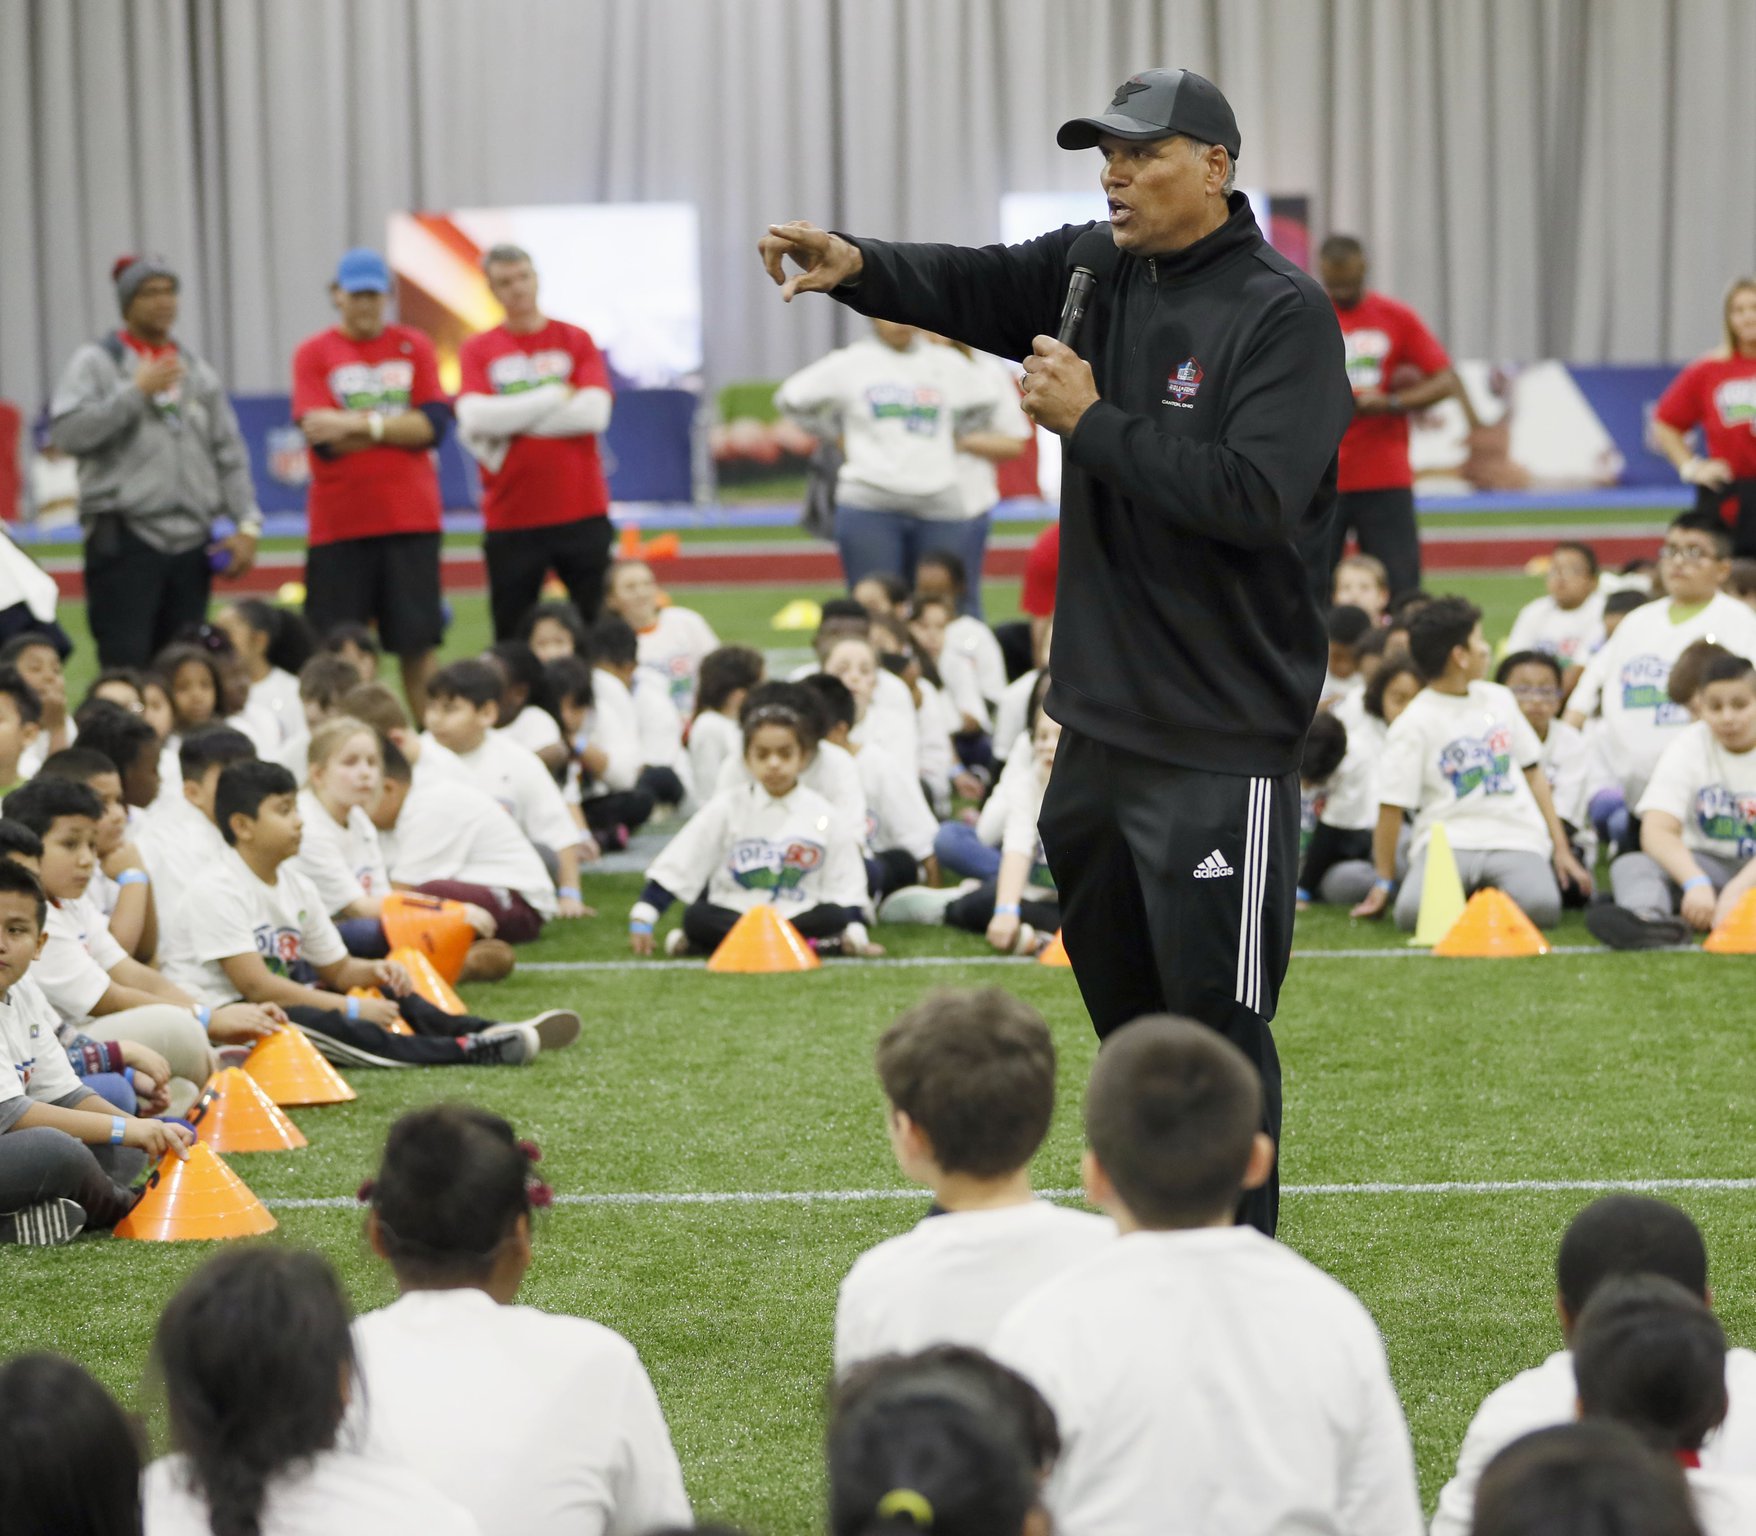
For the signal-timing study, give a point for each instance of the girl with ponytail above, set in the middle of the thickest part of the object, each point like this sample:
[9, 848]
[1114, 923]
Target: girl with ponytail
[566, 1436]
[258, 1371]
[271, 644]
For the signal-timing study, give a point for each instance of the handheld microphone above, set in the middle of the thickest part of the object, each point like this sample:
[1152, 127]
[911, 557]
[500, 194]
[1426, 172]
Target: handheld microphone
[1079, 287]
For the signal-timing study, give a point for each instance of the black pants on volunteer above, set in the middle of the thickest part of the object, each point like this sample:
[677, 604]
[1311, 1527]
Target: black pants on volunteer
[520, 558]
[1739, 500]
[1384, 524]
[1177, 892]
[390, 580]
[139, 599]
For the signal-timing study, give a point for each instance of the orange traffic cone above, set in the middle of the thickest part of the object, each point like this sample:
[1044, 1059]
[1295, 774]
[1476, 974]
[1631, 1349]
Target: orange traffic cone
[188, 1201]
[628, 543]
[667, 546]
[439, 929]
[1737, 934]
[1493, 927]
[291, 1070]
[1054, 952]
[428, 982]
[763, 941]
[233, 1114]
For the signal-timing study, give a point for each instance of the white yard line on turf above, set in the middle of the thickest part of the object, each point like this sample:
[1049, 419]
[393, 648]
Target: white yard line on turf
[857, 1196]
[920, 962]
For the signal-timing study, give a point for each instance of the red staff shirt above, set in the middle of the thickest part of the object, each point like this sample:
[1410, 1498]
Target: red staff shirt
[543, 480]
[1382, 336]
[1717, 394]
[381, 489]
[1041, 568]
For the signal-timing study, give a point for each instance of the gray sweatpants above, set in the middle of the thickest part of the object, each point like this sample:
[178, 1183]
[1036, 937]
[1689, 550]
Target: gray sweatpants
[40, 1163]
[175, 1033]
[1528, 878]
[1639, 883]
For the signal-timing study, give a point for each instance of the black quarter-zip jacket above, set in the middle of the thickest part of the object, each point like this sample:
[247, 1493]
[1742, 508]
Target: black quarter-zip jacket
[1186, 627]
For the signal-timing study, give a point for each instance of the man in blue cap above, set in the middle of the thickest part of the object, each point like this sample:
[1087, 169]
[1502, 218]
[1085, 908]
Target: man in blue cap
[366, 394]
[1200, 417]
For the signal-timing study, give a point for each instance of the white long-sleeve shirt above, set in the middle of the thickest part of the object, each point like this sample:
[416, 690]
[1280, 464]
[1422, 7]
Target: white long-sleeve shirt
[672, 650]
[567, 1437]
[613, 728]
[897, 813]
[486, 424]
[1546, 1395]
[890, 720]
[978, 479]
[745, 847]
[831, 772]
[899, 414]
[1213, 1380]
[1630, 675]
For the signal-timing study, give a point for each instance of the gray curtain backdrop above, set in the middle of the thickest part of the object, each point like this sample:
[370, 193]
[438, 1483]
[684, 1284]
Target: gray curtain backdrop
[1572, 178]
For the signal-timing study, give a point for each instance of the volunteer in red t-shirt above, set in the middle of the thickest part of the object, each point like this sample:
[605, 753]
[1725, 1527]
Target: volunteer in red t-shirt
[535, 400]
[367, 397]
[1042, 568]
[1718, 394]
[1396, 367]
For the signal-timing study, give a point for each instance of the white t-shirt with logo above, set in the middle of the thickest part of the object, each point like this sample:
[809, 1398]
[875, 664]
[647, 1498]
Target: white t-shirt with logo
[1711, 790]
[1460, 759]
[178, 845]
[450, 830]
[516, 778]
[232, 912]
[1570, 635]
[1630, 676]
[672, 651]
[33, 1063]
[74, 968]
[344, 864]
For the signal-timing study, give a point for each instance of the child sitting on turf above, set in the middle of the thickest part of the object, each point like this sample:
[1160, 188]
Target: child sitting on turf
[463, 706]
[258, 1369]
[829, 770]
[37, 661]
[1463, 756]
[933, 718]
[66, 1156]
[323, 680]
[883, 595]
[1567, 623]
[727, 676]
[969, 1077]
[1017, 910]
[1628, 674]
[1697, 823]
[899, 829]
[929, 625]
[383, 709]
[254, 928]
[971, 662]
[71, 1455]
[120, 887]
[554, 629]
[1337, 863]
[178, 839]
[888, 715]
[970, 846]
[1617, 1235]
[672, 640]
[356, 645]
[1361, 581]
[525, 706]
[20, 721]
[451, 1210]
[1204, 1377]
[1536, 680]
[658, 731]
[773, 839]
[1595, 1479]
[116, 685]
[1348, 626]
[272, 644]
[607, 745]
[444, 837]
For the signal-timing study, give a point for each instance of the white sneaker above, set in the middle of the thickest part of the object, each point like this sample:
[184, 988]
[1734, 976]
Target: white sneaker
[1028, 940]
[676, 943]
[557, 1028]
[917, 904]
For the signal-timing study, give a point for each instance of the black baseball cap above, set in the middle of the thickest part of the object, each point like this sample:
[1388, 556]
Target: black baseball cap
[1155, 104]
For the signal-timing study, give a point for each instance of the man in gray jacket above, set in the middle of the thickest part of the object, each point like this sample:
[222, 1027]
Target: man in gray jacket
[160, 457]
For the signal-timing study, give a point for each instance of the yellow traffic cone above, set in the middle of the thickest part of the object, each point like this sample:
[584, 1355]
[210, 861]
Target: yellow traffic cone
[1441, 893]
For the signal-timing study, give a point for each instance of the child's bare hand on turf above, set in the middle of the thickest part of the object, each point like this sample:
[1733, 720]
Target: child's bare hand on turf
[640, 944]
[1571, 873]
[480, 919]
[1699, 906]
[157, 1137]
[1377, 899]
[862, 949]
[572, 906]
[1003, 931]
[238, 1023]
[392, 977]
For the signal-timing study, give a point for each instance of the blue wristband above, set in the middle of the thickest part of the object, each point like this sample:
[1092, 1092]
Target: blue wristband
[118, 1130]
[1006, 909]
[1301, 894]
[205, 1014]
[353, 1008]
[640, 927]
[134, 877]
[128, 1076]
[1694, 882]
[567, 892]
[1386, 886]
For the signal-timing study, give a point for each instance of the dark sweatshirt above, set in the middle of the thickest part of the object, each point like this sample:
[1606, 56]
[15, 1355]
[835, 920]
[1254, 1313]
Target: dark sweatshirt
[1186, 626]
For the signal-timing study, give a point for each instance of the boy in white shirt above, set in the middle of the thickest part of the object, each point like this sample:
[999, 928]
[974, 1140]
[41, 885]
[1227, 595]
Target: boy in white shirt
[970, 646]
[66, 1156]
[178, 839]
[727, 676]
[1628, 675]
[1204, 1377]
[607, 747]
[463, 705]
[673, 641]
[658, 747]
[254, 928]
[1463, 755]
[1537, 680]
[1697, 823]
[1568, 623]
[1617, 1235]
[969, 1077]
[444, 837]
[385, 712]
[1650, 1356]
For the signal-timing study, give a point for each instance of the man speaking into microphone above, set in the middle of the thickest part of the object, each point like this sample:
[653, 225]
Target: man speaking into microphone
[1200, 408]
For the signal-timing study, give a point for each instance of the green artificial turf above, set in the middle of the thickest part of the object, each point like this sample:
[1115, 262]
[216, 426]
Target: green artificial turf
[1400, 1069]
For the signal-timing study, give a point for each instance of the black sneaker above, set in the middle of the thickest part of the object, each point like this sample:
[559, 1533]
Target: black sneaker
[1621, 929]
[504, 1045]
[46, 1224]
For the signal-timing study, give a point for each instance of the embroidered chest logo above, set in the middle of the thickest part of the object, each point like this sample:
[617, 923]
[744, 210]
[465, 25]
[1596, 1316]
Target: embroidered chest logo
[1184, 384]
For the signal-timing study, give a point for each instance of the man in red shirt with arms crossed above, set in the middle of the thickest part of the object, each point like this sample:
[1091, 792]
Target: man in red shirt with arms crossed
[535, 399]
[1717, 393]
[1396, 367]
[366, 394]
